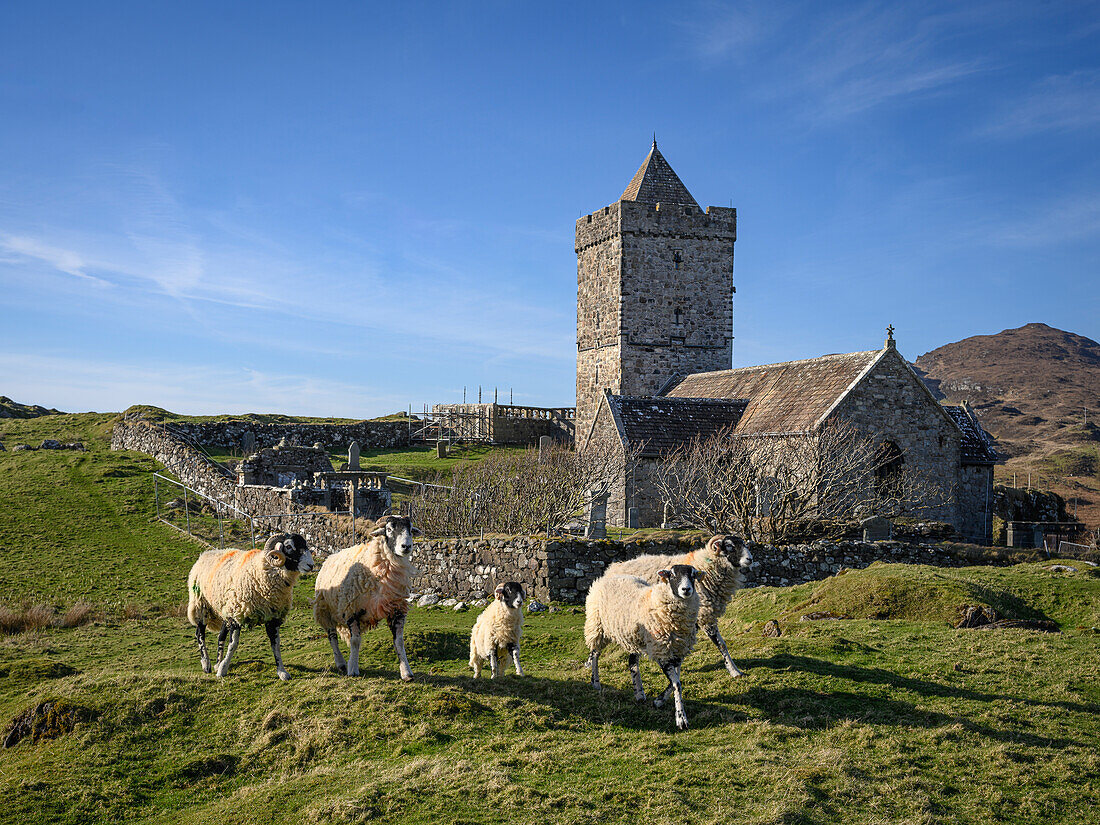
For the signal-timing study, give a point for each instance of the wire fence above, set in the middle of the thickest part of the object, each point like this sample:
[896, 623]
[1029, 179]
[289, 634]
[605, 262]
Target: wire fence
[215, 522]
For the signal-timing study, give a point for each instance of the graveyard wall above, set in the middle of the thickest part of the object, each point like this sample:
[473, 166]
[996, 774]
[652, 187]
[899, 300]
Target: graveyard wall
[230, 434]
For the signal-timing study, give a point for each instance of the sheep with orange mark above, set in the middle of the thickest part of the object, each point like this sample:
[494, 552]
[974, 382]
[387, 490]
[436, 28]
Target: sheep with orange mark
[724, 559]
[360, 586]
[230, 588]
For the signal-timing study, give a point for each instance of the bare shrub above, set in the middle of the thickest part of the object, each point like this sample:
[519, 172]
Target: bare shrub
[515, 493]
[78, 615]
[11, 621]
[131, 611]
[777, 487]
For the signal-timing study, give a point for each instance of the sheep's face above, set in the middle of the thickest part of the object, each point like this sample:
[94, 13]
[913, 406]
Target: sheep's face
[681, 579]
[511, 593]
[399, 534]
[733, 549]
[291, 553]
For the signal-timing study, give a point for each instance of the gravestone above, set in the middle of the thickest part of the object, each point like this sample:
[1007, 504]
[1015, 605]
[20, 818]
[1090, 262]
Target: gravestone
[877, 528]
[353, 455]
[441, 449]
[544, 446]
[633, 518]
[665, 523]
[248, 443]
[597, 516]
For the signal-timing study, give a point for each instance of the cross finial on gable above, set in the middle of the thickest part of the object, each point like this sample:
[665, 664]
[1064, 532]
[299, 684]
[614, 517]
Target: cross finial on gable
[890, 336]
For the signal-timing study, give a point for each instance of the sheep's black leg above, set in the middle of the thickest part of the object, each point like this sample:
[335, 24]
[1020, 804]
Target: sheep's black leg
[513, 648]
[234, 638]
[494, 664]
[636, 675]
[356, 639]
[272, 628]
[720, 643]
[397, 628]
[221, 641]
[200, 637]
[672, 671]
[334, 640]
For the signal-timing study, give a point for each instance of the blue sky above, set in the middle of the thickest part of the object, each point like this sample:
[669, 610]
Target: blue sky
[347, 208]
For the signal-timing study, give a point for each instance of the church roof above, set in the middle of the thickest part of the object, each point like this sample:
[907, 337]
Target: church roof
[663, 424]
[655, 182]
[976, 446]
[788, 397]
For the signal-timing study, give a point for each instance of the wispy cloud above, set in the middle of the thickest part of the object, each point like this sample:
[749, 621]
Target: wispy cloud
[1066, 219]
[836, 63]
[1059, 103]
[63, 260]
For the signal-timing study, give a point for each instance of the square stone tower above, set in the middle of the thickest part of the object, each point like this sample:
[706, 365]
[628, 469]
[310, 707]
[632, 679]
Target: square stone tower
[654, 290]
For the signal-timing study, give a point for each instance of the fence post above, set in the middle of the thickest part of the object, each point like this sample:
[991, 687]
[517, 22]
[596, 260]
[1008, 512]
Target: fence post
[187, 510]
[353, 542]
[156, 494]
[221, 532]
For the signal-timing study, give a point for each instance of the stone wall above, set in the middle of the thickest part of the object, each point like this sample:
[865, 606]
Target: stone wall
[562, 570]
[892, 404]
[975, 496]
[230, 434]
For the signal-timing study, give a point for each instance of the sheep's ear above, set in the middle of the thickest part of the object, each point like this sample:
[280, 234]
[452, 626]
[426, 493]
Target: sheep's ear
[499, 592]
[700, 575]
[277, 556]
[379, 531]
[664, 575]
[416, 531]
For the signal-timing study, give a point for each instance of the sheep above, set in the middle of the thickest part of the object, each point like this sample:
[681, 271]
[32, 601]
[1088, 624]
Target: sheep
[359, 586]
[498, 628]
[228, 588]
[724, 578]
[658, 620]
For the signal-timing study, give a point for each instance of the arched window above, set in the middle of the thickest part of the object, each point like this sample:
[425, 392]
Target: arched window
[889, 465]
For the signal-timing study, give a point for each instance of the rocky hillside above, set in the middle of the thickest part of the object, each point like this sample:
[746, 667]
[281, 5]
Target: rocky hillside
[1029, 386]
[13, 409]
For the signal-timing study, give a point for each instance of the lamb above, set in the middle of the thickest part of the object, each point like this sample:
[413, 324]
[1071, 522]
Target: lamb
[498, 628]
[361, 585]
[658, 620]
[228, 588]
[724, 578]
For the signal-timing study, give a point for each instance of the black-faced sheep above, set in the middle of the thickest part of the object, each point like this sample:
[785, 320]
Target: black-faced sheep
[499, 627]
[361, 585]
[658, 620]
[724, 559]
[230, 588]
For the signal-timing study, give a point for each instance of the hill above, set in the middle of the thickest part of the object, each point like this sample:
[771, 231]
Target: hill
[1030, 386]
[13, 409]
[1032, 389]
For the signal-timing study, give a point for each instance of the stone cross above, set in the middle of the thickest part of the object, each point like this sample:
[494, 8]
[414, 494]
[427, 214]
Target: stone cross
[353, 456]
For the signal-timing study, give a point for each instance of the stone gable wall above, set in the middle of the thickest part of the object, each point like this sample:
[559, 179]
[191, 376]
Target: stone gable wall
[890, 404]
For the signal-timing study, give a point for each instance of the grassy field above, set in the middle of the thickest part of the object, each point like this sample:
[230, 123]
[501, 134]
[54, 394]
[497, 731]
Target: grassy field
[893, 719]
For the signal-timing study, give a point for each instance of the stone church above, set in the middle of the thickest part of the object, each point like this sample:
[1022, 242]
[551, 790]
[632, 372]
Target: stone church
[655, 346]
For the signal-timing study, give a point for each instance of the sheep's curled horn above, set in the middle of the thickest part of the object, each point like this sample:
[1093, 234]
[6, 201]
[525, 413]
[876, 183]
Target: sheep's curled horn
[274, 548]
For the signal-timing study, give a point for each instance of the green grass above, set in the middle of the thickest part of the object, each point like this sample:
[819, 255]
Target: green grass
[891, 720]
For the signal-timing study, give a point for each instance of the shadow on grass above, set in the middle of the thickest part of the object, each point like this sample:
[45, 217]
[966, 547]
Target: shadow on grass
[876, 675]
[810, 709]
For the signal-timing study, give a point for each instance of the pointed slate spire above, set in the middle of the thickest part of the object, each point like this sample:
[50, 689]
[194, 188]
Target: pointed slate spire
[655, 182]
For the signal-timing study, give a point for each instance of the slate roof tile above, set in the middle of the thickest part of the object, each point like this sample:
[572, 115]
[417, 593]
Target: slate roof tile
[655, 182]
[663, 424]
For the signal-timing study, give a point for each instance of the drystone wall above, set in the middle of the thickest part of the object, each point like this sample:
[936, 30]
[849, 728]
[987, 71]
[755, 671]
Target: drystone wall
[231, 434]
[563, 570]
